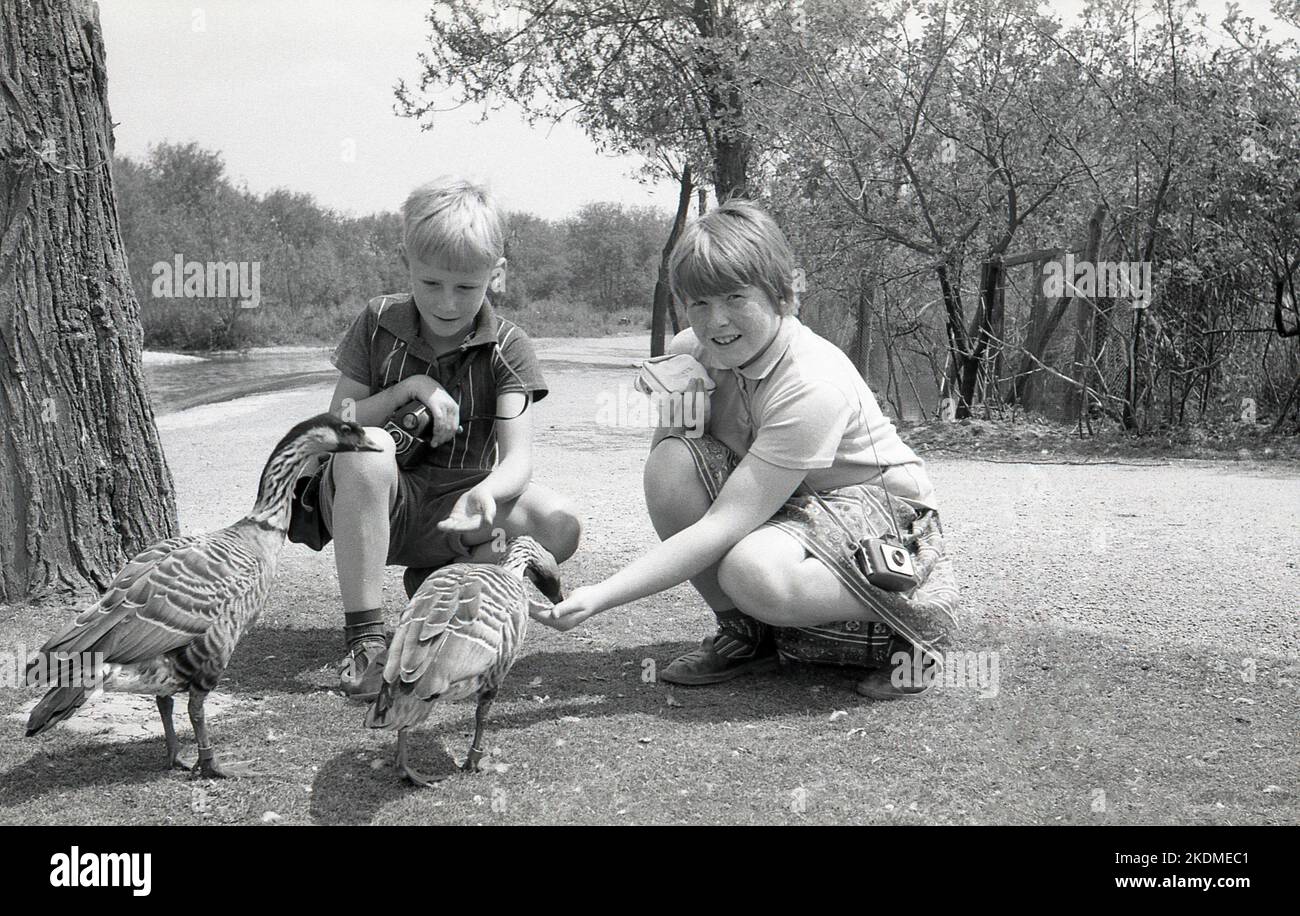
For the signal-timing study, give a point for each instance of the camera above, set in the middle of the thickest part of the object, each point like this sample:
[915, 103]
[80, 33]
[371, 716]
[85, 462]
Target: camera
[887, 564]
[407, 427]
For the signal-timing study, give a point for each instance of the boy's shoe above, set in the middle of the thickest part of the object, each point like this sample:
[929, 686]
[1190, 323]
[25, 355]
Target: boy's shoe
[742, 645]
[362, 672]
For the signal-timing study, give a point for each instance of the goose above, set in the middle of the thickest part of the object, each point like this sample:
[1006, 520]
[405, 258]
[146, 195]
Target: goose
[170, 620]
[458, 638]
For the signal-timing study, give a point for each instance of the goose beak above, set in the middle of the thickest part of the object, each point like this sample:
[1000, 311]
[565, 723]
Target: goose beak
[359, 439]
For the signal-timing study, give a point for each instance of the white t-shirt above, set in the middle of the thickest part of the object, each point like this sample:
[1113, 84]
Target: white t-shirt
[802, 405]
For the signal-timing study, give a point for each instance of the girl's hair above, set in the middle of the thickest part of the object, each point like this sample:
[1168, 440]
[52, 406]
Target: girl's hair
[454, 223]
[737, 244]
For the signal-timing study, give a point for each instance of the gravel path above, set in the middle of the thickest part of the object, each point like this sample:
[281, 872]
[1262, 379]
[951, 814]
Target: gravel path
[1186, 552]
[1145, 617]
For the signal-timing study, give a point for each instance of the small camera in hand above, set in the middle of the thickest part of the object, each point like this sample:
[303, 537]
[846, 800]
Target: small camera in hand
[887, 564]
[408, 427]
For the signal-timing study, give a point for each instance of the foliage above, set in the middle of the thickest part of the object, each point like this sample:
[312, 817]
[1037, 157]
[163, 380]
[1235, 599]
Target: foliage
[318, 267]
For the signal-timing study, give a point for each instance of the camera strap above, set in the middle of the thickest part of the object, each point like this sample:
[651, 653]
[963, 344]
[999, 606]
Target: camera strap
[463, 368]
[803, 485]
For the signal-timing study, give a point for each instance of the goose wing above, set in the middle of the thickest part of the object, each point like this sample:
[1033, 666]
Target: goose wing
[165, 597]
[441, 640]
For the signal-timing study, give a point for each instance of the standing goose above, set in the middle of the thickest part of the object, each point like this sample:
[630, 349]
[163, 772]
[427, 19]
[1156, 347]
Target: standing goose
[458, 638]
[171, 619]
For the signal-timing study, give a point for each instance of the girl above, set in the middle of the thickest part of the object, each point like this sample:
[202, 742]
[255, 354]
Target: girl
[763, 513]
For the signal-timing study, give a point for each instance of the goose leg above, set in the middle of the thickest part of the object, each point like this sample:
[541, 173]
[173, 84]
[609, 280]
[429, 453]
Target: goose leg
[208, 764]
[169, 732]
[406, 769]
[480, 719]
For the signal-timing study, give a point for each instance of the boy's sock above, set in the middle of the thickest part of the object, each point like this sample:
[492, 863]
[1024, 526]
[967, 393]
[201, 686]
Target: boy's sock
[362, 672]
[360, 626]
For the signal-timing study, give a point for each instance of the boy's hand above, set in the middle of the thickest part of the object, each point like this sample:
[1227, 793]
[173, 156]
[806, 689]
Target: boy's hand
[475, 508]
[444, 412]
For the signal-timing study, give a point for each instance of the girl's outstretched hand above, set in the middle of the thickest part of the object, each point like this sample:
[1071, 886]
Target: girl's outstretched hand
[570, 612]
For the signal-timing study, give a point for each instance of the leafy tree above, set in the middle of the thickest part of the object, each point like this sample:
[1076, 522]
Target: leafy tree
[655, 76]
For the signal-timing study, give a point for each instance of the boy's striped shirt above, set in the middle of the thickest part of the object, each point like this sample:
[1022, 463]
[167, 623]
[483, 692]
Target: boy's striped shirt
[383, 346]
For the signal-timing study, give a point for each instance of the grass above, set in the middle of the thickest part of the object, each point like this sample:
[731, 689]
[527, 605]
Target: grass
[580, 737]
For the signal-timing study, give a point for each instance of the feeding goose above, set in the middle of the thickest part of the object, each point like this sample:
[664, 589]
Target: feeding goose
[458, 637]
[169, 622]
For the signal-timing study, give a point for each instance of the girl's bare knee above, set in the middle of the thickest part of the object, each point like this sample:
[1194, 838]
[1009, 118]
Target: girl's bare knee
[673, 493]
[757, 582]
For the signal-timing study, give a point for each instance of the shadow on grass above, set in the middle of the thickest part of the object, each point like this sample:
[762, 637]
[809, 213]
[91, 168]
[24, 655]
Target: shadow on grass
[586, 683]
[77, 765]
[348, 791]
[284, 660]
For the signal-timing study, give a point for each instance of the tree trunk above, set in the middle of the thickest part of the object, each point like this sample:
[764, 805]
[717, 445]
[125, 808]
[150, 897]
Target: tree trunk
[716, 21]
[83, 483]
[982, 333]
[1042, 325]
[663, 300]
[1076, 399]
[955, 325]
[860, 346]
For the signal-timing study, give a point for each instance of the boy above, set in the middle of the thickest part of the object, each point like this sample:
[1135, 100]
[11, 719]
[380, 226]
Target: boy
[442, 345]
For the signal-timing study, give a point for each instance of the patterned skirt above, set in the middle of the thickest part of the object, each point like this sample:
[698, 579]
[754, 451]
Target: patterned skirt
[924, 618]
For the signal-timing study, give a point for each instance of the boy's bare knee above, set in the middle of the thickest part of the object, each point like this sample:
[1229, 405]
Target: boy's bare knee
[566, 532]
[368, 471]
[555, 526]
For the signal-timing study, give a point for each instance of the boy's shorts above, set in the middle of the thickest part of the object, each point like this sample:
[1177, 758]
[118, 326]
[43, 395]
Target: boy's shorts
[924, 617]
[425, 496]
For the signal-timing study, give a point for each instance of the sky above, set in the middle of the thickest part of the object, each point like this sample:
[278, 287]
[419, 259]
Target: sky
[299, 94]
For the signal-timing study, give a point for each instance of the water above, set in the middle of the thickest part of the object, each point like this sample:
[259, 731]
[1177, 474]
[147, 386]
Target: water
[225, 376]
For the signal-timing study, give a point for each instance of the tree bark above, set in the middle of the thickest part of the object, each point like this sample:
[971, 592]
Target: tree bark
[83, 482]
[986, 316]
[728, 143]
[860, 346]
[1085, 318]
[955, 325]
[663, 300]
[1042, 325]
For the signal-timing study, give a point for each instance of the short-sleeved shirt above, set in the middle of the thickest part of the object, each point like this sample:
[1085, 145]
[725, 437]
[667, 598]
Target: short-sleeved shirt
[383, 346]
[801, 404]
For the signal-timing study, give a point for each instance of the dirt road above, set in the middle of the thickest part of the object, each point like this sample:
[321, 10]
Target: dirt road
[1146, 619]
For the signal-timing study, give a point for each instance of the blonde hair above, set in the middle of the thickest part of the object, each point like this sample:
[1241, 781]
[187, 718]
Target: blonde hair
[737, 244]
[453, 222]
